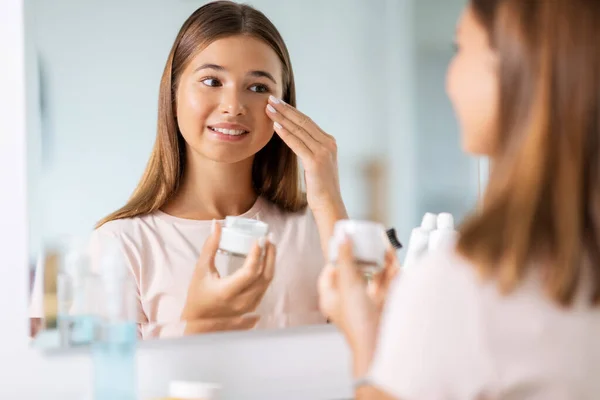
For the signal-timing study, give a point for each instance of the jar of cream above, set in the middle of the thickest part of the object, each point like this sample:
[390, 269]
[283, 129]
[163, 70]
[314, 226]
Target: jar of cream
[368, 242]
[237, 238]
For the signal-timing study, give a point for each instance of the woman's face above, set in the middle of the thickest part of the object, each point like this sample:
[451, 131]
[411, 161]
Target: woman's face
[473, 86]
[222, 95]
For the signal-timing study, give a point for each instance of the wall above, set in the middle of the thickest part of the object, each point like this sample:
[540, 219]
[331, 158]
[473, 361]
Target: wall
[101, 63]
[447, 177]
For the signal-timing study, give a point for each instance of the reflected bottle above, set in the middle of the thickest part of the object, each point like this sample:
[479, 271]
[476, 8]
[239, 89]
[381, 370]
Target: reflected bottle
[74, 315]
[114, 347]
[418, 243]
[368, 242]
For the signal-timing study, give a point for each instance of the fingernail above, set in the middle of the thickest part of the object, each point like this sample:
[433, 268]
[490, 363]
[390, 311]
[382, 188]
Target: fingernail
[277, 125]
[274, 99]
[271, 109]
[270, 238]
[261, 242]
[213, 226]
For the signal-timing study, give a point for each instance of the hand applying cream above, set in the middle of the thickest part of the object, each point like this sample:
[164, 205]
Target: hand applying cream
[317, 151]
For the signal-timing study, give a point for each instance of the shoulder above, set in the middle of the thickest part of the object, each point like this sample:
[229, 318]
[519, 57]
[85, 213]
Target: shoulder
[130, 234]
[442, 283]
[433, 318]
[445, 271]
[126, 227]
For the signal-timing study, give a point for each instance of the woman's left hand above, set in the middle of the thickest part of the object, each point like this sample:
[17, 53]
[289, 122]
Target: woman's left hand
[317, 151]
[353, 305]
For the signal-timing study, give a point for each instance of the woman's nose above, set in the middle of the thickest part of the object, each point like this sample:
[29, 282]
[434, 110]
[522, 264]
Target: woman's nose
[232, 103]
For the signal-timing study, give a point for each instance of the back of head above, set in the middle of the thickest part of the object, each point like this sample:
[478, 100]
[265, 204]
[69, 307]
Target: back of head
[275, 171]
[542, 204]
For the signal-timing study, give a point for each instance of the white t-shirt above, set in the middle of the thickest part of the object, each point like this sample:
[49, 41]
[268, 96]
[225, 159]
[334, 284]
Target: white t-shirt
[447, 334]
[161, 253]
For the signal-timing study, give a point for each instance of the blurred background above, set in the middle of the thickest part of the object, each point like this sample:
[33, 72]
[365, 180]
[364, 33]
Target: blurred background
[93, 74]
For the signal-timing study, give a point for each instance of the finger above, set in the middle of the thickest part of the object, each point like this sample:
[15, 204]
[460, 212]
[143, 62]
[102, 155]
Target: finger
[391, 265]
[327, 288]
[306, 137]
[390, 274]
[269, 262]
[253, 294]
[378, 279]
[390, 268]
[246, 276]
[327, 283]
[209, 250]
[297, 118]
[295, 143]
[281, 123]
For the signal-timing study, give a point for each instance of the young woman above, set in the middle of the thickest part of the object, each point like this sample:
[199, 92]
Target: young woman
[216, 154]
[514, 311]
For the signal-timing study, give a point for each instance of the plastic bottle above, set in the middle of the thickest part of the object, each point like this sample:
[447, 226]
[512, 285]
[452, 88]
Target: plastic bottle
[445, 235]
[75, 320]
[419, 240]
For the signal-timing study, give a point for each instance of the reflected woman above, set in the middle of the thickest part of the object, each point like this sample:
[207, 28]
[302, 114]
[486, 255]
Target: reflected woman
[218, 153]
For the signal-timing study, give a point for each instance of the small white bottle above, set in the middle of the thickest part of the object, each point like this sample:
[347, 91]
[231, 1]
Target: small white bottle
[368, 242]
[180, 390]
[237, 238]
[445, 235]
[419, 240]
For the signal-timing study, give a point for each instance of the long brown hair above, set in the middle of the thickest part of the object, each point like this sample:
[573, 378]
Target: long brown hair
[275, 171]
[542, 205]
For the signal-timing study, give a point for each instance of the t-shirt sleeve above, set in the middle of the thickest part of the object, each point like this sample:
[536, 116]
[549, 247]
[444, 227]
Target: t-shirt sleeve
[430, 344]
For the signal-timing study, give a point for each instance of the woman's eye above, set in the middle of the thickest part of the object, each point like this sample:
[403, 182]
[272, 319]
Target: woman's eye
[258, 88]
[212, 82]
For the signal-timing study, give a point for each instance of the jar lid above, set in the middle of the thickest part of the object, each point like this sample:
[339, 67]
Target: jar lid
[368, 239]
[239, 234]
[194, 390]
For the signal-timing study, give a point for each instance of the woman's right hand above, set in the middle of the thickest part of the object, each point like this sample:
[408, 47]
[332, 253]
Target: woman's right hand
[219, 303]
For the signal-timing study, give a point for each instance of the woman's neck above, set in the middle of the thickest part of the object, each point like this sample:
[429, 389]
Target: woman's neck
[213, 190]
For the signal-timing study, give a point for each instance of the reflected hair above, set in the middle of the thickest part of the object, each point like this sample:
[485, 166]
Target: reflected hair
[541, 209]
[275, 170]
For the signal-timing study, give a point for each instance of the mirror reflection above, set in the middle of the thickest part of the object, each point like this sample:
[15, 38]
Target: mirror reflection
[189, 160]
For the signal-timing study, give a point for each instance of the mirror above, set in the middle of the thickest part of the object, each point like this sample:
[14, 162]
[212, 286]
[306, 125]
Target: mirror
[94, 78]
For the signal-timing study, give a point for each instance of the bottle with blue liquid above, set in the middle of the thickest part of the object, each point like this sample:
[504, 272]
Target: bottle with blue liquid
[114, 346]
